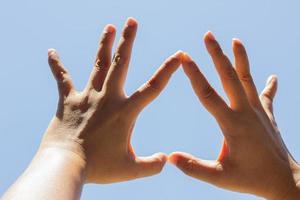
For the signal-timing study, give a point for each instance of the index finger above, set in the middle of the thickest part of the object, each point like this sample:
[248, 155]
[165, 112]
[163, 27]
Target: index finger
[205, 92]
[152, 88]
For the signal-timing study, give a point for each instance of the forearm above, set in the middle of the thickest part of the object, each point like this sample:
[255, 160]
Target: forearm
[53, 174]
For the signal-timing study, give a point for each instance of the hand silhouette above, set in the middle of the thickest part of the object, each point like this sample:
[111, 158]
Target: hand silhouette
[97, 123]
[253, 158]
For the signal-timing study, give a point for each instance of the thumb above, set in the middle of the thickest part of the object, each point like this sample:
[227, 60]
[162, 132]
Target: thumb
[151, 165]
[205, 170]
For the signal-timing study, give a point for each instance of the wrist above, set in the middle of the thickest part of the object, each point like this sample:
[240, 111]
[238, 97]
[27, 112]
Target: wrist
[54, 173]
[63, 161]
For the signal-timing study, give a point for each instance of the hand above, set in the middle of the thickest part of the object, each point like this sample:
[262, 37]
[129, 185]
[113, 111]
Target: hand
[253, 158]
[96, 124]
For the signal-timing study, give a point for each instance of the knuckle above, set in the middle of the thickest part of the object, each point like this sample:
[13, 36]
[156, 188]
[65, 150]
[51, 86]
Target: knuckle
[119, 60]
[216, 50]
[194, 70]
[230, 74]
[240, 50]
[190, 167]
[127, 33]
[153, 84]
[53, 59]
[208, 92]
[61, 77]
[266, 96]
[104, 38]
[246, 77]
[102, 64]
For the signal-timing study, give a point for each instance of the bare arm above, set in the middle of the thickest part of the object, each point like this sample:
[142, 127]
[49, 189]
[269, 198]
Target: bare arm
[53, 174]
[88, 140]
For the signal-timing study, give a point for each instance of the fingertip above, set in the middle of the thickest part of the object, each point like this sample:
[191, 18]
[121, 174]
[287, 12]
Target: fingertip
[236, 41]
[178, 55]
[172, 158]
[110, 28]
[238, 46]
[189, 66]
[187, 58]
[53, 57]
[151, 165]
[272, 79]
[209, 37]
[161, 157]
[158, 158]
[270, 89]
[212, 44]
[51, 52]
[131, 21]
[186, 62]
[176, 158]
[174, 60]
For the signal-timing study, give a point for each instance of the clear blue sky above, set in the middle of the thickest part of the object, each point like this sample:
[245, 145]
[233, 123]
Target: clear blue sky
[176, 120]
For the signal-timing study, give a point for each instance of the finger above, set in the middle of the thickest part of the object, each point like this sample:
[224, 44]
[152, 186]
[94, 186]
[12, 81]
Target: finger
[229, 78]
[103, 58]
[269, 93]
[208, 171]
[118, 70]
[206, 94]
[243, 70]
[148, 166]
[150, 90]
[63, 79]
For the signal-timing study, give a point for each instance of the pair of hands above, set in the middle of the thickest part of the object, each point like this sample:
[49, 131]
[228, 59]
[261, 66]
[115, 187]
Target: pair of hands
[96, 125]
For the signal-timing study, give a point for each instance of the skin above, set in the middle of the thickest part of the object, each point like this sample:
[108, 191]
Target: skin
[253, 158]
[88, 140]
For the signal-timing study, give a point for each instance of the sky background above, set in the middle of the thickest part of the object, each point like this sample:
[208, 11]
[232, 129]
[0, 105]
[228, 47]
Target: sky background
[176, 120]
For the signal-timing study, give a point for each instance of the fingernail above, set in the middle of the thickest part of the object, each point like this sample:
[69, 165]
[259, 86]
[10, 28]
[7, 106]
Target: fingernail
[162, 157]
[187, 57]
[51, 52]
[179, 53]
[237, 41]
[173, 160]
[271, 79]
[109, 28]
[131, 21]
[210, 35]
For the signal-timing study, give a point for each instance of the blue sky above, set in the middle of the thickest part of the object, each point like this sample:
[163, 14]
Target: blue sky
[176, 120]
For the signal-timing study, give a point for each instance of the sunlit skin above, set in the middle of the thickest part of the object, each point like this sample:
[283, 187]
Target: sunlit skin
[253, 158]
[88, 140]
